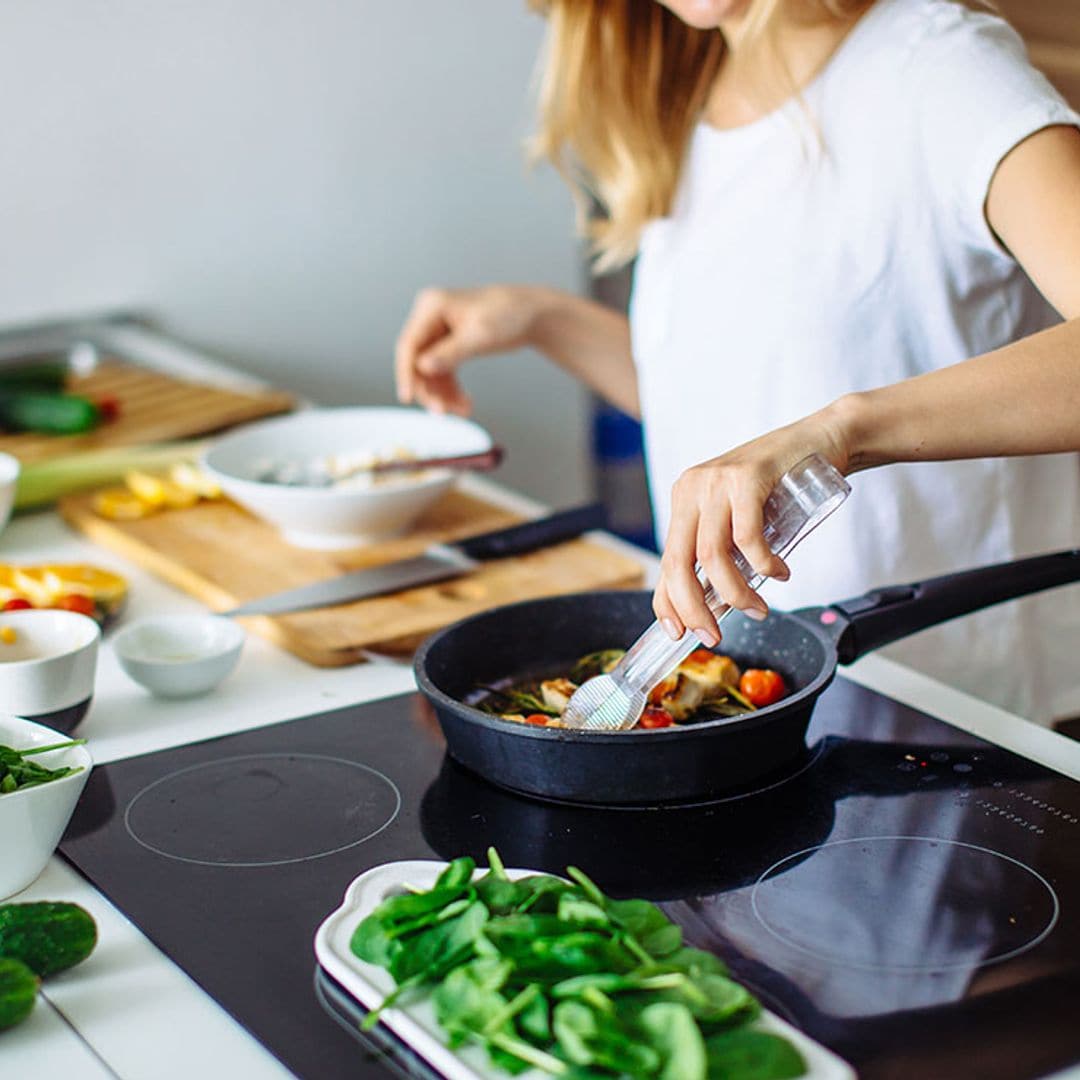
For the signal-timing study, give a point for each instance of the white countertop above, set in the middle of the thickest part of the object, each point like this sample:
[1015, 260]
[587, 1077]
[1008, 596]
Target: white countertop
[128, 1011]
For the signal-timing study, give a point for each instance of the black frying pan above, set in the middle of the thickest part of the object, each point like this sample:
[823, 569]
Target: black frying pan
[702, 760]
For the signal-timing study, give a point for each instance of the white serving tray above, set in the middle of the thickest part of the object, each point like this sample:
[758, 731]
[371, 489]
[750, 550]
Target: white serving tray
[415, 1024]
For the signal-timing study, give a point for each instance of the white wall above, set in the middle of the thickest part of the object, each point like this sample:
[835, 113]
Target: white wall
[273, 179]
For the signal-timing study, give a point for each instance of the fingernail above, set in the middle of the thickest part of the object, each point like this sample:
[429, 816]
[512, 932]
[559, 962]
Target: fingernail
[756, 614]
[671, 628]
[706, 637]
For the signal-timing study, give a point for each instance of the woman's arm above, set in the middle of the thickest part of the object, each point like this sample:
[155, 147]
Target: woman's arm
[1021, 399]
[446, 327]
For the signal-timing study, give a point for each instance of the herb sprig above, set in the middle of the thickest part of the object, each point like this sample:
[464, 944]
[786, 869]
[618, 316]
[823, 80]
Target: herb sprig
[16, 772]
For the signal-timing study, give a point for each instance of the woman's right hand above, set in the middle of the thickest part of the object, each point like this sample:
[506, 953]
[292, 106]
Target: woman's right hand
[446, 327]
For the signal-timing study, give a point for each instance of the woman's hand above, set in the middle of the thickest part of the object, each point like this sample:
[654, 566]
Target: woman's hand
[446, 327]
[718, 505]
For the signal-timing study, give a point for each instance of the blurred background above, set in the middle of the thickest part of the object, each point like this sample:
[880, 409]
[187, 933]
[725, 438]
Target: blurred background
[273, 181]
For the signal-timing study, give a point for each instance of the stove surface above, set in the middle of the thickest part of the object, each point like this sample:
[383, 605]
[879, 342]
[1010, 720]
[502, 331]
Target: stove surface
[905, 893]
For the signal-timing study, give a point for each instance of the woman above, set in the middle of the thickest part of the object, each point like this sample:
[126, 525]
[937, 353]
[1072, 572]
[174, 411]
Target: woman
[824, 197]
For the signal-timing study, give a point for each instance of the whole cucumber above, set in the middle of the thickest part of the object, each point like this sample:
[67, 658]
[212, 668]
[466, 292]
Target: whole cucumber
[18, 992]
[50, 414]
[42, 375]
[47, 936]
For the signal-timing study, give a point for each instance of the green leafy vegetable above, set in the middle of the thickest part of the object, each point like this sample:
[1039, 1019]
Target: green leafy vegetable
[17, 773]
[554, 975]
[753, 1055]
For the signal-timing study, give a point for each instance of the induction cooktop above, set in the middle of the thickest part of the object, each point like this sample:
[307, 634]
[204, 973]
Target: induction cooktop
[905, 893]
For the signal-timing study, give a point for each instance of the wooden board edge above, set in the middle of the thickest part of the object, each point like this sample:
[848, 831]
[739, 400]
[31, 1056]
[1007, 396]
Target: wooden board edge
[403, 647]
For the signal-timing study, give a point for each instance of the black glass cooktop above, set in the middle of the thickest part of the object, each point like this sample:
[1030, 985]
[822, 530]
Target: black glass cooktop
[905, 893]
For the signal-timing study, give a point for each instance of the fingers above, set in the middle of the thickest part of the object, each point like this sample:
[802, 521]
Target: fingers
[442, 394]
[716, 512]
[747, 535]
[714, 553]
[425, 324]
[679, 600]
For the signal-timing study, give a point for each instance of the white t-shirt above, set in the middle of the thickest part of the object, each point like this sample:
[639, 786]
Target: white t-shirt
[840, 244]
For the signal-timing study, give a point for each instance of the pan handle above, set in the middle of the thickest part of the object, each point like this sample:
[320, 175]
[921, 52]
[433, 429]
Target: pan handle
[881, 616]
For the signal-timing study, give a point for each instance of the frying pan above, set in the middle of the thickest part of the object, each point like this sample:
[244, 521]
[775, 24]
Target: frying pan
[700, 761]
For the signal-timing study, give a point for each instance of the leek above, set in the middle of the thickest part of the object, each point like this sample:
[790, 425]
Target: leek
[42, 483]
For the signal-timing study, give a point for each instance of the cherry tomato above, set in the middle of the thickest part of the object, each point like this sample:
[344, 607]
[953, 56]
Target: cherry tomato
[701, 656]
[76, 602]
[17, 603]
[538, 718]
[655, 718]
[108, 407]
[762, 687]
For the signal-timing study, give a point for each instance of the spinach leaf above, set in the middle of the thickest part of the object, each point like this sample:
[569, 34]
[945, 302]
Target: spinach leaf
[676, 1038]
[752, 1055]
[468, 999]
[457, 874]
[589, 1038]
[450, 938]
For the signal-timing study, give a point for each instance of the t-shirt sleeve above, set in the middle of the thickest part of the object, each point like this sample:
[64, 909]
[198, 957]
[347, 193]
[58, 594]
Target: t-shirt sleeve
[977, 97]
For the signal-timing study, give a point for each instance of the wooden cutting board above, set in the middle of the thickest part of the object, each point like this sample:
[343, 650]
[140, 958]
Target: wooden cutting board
[224, 556]
[154, 407]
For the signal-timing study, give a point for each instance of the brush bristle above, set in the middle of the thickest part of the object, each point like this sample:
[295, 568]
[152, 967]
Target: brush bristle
[601, 704]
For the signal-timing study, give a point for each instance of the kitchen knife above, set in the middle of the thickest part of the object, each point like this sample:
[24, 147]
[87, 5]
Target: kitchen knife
[437, 563]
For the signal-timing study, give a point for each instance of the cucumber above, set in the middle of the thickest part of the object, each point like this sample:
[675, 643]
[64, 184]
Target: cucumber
[18, 992]
[42, 375]
[47, 936]
[50, 414]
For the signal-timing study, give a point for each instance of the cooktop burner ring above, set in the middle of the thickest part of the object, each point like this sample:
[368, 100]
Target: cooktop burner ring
[282, 789]
[799, 860]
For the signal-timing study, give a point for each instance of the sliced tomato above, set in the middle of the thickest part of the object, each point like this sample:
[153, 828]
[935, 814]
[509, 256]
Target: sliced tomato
[653, 717]
[538, 718]
[17, 603]
[76, 602]
[762, 686]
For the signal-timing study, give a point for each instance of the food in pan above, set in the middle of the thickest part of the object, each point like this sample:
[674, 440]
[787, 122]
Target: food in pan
[704, 686]
[554, 975]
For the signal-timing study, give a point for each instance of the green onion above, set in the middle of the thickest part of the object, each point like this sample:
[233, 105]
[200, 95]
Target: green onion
[41, 483]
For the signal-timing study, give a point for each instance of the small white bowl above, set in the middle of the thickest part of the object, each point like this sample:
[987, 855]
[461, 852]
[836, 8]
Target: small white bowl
[341, 517]
[9, 479]
[33, 819]
[47, 672]
[179, 656]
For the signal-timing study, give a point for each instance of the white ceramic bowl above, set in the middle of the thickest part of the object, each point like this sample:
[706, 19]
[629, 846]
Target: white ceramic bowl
[47, 672]
[33, 819]
[339, 517]
[9, 478]
[178, 656]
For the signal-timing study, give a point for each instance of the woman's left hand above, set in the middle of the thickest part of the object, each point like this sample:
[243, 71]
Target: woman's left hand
[717, 506]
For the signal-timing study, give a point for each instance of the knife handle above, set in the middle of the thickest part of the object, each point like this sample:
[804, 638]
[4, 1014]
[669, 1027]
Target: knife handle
[519, 539]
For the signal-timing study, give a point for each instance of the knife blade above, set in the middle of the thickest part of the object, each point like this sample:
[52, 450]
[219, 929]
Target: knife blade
[437, 563]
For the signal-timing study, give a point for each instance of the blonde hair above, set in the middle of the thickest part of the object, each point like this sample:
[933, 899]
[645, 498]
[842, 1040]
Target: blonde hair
[623, 84]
